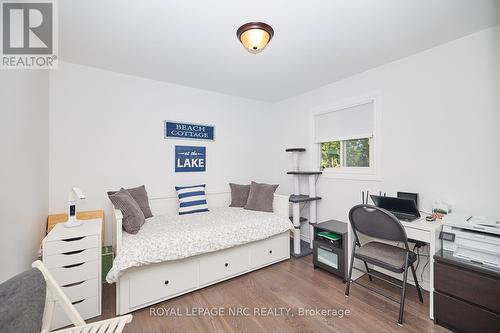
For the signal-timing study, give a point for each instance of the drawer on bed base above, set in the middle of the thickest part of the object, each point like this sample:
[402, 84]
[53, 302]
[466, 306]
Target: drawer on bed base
[223, 264]
[269, 250]
[158, 281]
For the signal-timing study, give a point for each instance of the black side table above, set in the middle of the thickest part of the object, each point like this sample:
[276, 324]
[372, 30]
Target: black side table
[328, 254]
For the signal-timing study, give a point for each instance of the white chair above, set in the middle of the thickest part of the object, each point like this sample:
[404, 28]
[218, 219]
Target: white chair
[55, 294]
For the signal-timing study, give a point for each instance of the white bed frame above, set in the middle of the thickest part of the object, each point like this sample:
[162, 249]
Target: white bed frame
[140, 287]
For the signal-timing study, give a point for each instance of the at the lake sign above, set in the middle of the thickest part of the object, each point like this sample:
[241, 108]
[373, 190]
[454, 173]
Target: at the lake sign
[174, 130]
[190, 159]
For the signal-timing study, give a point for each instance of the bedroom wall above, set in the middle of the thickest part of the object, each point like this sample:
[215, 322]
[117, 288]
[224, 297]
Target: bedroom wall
[24, 174]
[106, 131]
[439, 128]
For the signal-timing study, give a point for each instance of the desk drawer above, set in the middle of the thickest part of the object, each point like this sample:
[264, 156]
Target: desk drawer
[222, 264]
[467, 285]
[158, 281]
[71, 258]
[418, 234]
[72, 274]
[82, 290]
[464, 317]
[269, 250]
[70, 245]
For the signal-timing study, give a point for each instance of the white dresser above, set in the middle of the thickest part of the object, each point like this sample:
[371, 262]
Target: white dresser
[73, 257]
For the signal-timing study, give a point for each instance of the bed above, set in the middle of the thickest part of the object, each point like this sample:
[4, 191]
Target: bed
[173, 255]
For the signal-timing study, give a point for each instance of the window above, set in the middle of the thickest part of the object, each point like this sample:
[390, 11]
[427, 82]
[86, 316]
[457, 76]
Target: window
[353, 153]
[345, 139]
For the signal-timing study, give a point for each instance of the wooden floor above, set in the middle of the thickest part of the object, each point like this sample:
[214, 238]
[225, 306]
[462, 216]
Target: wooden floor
[291, 285]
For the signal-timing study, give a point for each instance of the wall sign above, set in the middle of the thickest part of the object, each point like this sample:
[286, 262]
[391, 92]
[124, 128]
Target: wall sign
[190, 159]
[174, 130]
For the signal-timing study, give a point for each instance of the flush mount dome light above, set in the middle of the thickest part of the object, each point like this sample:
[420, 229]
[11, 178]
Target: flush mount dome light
[255, 35]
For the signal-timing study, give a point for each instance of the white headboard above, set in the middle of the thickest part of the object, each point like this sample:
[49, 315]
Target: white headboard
[170, 206]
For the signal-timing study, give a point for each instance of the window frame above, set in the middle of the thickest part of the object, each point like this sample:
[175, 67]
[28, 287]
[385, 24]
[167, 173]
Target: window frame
[355, 173]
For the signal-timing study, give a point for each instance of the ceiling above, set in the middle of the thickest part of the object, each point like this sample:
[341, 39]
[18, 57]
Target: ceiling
[193, 43]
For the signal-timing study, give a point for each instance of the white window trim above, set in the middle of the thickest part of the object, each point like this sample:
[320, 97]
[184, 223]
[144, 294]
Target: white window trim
[351, 173]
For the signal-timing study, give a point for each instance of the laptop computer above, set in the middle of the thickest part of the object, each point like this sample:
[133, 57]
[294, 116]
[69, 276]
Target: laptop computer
[403, 209]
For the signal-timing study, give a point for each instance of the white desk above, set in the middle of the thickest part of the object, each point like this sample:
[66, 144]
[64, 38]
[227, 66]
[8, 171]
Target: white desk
[424, 231]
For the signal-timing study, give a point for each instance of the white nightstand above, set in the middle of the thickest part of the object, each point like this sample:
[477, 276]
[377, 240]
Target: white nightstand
[73, 257]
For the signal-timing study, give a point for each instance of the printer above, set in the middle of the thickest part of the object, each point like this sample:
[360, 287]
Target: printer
[473, 238]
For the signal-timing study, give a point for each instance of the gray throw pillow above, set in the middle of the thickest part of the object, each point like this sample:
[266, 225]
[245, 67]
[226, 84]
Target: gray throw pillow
[239, 195]
[141, 197]
[261, 197]
[133, 217]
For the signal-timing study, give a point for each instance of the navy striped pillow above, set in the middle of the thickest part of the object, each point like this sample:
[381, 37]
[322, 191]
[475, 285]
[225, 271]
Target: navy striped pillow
[191, 199]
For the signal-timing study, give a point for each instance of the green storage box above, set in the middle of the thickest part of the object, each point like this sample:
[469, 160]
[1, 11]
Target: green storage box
[107, 261]
[330, 235]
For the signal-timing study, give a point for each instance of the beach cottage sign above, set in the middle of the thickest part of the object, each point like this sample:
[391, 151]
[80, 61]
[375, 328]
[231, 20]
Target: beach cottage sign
[175, 130]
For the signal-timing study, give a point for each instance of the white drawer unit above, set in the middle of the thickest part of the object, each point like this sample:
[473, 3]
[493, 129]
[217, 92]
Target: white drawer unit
[73, 257]
[75, 273]
[81, 290]
[87, 308]
[70, 244]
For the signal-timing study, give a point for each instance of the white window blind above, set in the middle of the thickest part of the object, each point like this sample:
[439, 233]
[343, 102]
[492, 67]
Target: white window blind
[348, 123]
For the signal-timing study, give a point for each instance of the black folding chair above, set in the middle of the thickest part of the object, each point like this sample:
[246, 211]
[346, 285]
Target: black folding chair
[378, 223]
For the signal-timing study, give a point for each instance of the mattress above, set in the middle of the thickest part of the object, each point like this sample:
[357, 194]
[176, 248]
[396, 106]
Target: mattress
[164, 238]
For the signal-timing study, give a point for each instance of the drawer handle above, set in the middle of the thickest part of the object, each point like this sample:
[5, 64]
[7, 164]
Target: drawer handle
[270, 251]
[226, 264]
[166, 282]
[74, 265]
[72, 239]
[72, 252]
[73, 284]
[78, 302]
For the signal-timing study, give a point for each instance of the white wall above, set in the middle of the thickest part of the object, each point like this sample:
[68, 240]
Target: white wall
[106, 131]
[439, 128]
[24, 145]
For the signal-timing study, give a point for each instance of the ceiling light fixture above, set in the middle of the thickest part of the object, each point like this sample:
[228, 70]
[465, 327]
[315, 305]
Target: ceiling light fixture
[255, 35]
